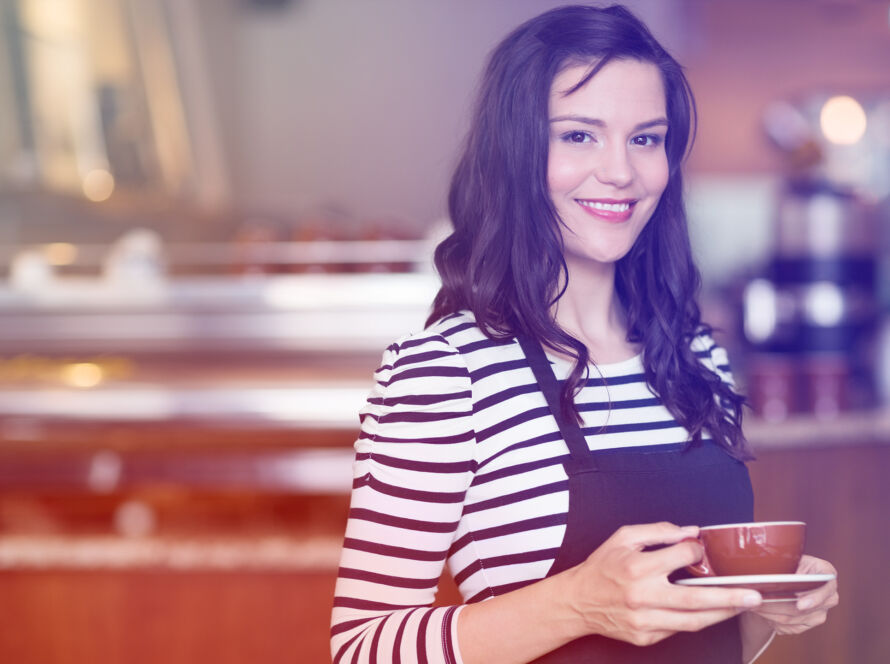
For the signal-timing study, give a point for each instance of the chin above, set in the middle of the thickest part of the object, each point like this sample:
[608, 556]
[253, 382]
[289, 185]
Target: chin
[590, 260]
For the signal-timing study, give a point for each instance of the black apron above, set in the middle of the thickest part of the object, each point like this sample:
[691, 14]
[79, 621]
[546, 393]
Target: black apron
[696, 485]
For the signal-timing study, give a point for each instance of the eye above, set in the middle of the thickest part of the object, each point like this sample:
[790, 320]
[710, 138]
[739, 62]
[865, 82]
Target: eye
[648, 140]
[576, 136]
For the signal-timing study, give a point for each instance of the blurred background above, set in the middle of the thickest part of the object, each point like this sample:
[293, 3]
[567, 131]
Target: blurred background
[215, 214]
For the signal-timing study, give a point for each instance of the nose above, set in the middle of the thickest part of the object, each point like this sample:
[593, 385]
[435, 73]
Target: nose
[614, 166]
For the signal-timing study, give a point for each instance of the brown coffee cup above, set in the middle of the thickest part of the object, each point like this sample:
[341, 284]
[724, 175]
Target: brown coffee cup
[737, 549]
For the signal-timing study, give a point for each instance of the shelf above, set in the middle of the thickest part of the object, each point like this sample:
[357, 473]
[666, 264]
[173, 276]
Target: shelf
[291, 554]
[298, 313]
[320, 405]
[868, 427]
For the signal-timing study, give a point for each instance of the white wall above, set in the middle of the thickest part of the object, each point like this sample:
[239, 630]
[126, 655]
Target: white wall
[360, 104]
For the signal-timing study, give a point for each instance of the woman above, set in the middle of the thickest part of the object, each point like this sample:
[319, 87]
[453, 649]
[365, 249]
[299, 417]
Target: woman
[565, 417]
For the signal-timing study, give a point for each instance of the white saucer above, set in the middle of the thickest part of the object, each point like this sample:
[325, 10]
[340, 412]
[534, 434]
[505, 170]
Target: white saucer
[773, 587]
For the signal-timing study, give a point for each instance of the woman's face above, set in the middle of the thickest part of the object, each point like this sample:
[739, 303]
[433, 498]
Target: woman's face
[607, 164]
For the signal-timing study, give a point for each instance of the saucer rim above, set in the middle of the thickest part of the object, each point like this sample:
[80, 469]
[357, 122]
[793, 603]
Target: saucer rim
[756, 578]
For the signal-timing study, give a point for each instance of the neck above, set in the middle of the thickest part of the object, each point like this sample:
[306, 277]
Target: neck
[590, 311]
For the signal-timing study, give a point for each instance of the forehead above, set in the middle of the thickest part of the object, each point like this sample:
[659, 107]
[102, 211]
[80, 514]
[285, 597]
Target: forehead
[622, 89]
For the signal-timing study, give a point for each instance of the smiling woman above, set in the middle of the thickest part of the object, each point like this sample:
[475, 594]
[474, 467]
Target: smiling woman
[565, 414]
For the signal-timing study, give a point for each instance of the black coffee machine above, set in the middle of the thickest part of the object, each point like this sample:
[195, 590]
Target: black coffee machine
[810, 317]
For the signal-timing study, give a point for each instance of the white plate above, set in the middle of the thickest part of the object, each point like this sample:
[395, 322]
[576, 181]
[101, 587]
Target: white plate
[773, 587]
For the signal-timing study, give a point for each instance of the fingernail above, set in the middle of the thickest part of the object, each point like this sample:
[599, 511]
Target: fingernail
[752, 599]
[690, 529]
[805, 604]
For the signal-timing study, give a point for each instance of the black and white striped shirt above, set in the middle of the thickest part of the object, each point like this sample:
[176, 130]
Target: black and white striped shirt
[460, 461]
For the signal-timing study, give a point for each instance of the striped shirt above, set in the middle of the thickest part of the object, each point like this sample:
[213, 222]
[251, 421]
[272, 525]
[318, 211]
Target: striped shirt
[459, 461]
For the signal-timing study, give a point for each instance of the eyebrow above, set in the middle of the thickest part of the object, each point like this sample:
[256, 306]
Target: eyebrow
[595, 122]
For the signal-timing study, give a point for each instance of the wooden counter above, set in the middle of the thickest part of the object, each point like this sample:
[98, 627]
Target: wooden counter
[151, 616]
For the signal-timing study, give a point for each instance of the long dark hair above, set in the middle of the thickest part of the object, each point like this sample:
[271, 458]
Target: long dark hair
[504, 261]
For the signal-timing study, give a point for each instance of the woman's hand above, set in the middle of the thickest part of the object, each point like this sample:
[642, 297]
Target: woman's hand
[810, 609]
[623, 592]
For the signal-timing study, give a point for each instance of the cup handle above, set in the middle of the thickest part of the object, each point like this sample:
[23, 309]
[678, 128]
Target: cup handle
[702, 567]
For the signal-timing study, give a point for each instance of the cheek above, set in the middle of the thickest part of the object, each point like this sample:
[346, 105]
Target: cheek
[654, 175]
[563, 173]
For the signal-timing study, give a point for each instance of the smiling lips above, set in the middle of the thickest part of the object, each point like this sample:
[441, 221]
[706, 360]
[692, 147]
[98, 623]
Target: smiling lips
[615, 211]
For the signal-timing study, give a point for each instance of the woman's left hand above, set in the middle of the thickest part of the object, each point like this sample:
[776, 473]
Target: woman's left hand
[810, 609]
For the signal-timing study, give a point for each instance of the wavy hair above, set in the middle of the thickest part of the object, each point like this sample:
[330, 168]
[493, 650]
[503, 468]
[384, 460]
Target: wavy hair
[504, 260]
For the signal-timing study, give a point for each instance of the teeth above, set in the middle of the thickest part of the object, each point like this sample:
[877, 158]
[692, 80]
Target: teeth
[610, 207]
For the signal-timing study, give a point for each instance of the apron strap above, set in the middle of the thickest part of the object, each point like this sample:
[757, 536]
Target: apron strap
[580, 457]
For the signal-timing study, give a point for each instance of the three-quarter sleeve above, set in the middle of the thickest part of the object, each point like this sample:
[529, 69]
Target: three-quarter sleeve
[414, 460]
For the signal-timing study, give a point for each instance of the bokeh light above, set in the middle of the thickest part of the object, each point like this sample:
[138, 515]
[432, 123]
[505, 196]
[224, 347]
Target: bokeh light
[843, 120]
[82, 374]
[60, 253]
[98, 185]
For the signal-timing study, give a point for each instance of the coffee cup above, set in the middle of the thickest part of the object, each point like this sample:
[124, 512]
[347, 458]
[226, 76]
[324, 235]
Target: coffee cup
[740, 549]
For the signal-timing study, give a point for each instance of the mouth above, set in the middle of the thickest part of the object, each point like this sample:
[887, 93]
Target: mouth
[608, 209]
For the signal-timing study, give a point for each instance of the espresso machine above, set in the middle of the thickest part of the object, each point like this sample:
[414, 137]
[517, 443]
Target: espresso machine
[810, 317]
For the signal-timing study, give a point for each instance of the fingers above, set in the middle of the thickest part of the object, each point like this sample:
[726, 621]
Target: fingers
[670, 558]
[658, 593]
[822, 598]
[697, 599]
[649, 534]
[812, 565]
[810, 609]
[682, 548]
[662, 594]
[784, 617]
[784, 613]
[825, 597]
